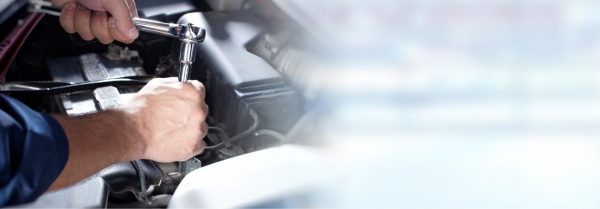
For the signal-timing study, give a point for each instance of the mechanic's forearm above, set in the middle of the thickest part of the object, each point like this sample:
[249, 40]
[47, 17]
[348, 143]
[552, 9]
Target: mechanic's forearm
[95, 142]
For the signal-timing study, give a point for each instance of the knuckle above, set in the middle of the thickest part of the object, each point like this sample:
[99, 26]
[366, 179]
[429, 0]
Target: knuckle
[204, 112]
[198, 84]
[201, 109]
[187, 87]
[190, 91]
[98, 21]
[82, 10]
[204, 129]
[203, 92]
[199, 118]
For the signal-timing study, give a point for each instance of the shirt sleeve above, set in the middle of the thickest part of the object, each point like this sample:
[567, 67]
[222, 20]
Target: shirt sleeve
[33, 152]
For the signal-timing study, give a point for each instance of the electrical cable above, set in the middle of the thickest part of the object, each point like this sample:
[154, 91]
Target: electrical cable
[294, 131]
[272, 133]
[221, 132]
[137, 164]
[262, 132]
[246, 133]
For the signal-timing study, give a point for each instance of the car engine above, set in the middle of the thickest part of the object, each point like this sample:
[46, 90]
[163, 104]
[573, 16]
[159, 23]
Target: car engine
[250, 63]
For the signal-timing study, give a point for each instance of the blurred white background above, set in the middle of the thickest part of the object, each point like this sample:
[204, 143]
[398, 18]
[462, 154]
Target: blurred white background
[460, 104]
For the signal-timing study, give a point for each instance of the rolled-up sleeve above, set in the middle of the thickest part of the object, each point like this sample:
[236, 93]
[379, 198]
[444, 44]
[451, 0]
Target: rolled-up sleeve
[33, 152]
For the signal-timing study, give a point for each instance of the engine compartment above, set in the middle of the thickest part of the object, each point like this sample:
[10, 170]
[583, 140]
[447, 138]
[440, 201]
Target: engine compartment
[246, 64]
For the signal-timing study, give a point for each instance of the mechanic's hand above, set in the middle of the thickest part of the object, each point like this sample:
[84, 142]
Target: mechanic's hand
[106, 20]
[170, 117]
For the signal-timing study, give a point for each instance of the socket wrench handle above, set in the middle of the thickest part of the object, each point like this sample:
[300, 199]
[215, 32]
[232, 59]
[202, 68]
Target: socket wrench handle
[156, 27]
[189, 32]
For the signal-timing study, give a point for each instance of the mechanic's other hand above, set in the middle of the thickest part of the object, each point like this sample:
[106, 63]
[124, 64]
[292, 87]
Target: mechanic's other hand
[106, 20]
[170, 117]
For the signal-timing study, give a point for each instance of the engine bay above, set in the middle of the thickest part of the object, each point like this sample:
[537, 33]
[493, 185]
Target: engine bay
[248, 63]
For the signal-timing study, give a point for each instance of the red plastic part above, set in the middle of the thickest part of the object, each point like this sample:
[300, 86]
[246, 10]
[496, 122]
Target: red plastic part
[10, 46]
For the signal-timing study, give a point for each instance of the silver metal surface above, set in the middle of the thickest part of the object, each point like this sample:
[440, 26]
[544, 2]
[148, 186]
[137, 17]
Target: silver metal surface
[92, 68]
[156, 27]
[107, 97]
[187, 56]
[188, 34]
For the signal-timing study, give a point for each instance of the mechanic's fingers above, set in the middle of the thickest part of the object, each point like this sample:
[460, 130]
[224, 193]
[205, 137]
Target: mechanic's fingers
[100, 27]
[67, 17]
[204, 128]
[120, 12]
[202, 144]
[132, 8]
[205, 109]
[115, 33]
[82, 23]
[197, 85]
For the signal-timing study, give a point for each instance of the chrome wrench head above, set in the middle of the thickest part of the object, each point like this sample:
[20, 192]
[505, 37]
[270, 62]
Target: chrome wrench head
[189, 35]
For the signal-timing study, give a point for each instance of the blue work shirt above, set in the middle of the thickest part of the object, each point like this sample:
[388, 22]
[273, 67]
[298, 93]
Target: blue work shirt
[33, 152]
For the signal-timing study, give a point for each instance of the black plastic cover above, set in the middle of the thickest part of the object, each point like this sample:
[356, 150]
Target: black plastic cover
[237, 79]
